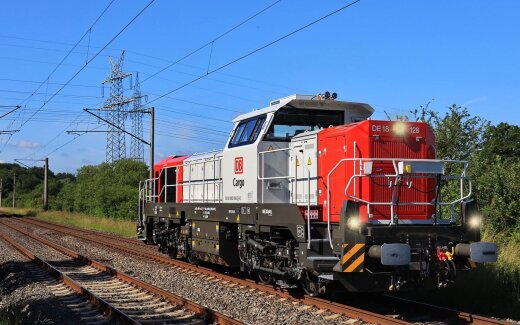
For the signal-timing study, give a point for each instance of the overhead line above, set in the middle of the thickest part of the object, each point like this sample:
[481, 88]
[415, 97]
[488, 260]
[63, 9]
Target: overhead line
[200, 104]
[35, 93]
[212, 41]
[90, 60]
[148, 56]
[56, 68]
[72, 49]
[258, 49]
[50, 83]
[15, 108]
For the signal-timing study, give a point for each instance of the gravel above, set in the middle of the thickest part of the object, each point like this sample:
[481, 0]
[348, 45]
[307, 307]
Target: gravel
[24, 295]
[249, 306]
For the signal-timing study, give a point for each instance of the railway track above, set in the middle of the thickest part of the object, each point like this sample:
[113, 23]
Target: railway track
[139, 249]
[114, 294]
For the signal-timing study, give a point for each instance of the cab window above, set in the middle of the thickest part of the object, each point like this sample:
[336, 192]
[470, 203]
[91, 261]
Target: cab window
[290, 121]
[247, 131]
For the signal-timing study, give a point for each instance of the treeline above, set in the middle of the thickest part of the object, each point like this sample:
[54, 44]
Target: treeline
[29, 185]
[105, 190]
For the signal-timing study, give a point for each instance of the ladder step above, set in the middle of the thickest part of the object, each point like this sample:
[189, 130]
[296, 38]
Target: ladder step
[329, 277]
[323, 258]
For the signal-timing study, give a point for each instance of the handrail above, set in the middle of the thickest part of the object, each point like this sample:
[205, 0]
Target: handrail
[394, 161]
[189, 164]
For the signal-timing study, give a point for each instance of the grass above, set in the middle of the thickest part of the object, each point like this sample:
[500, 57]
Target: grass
[19, 212]
[125, 228]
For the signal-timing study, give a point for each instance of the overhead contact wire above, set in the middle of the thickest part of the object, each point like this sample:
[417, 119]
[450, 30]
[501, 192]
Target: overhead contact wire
[257, 50]
[212, 41]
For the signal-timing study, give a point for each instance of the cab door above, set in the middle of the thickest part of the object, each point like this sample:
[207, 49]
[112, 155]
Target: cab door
[331, 150]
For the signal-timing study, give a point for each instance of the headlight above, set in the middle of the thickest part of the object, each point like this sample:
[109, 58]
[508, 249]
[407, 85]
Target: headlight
[399, 128]
[474, 222]
[353, 223]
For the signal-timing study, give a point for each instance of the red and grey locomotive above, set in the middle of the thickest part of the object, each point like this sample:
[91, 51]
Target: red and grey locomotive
[310, 191]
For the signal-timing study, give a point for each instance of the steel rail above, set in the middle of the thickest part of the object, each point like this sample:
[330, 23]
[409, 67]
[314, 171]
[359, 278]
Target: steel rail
[210, 315]
[99, 303]
[333, 307]
[133, 241]
[470, 318]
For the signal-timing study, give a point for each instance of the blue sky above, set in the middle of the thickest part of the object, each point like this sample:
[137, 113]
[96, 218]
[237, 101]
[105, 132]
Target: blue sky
[394, 55]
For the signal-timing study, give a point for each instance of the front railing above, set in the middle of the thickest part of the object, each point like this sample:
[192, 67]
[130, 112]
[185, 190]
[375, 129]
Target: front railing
[360, 170]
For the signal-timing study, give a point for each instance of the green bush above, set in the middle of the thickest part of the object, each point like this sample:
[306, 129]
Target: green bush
[106, 190]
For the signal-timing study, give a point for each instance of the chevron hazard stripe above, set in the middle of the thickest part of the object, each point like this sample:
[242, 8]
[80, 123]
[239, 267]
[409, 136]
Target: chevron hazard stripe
[353, 257]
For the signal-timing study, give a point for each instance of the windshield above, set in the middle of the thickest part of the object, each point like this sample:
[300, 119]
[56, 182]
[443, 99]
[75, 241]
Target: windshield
[247, 131]
[289, 122]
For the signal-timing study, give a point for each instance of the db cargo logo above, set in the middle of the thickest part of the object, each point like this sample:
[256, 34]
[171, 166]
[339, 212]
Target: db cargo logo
[239, 165]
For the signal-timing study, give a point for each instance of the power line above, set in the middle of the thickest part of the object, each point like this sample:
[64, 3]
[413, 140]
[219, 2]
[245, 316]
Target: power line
[50, 83]
[14, 109]
[198, 103]
[43, 48]
[164, 108]
[258, 49]
[75, 45]
[166, 134]
[54, 70]
[212, 41]
[88, 61]
[147, 56]
[47, 62]
[91, 59]
[42, 94]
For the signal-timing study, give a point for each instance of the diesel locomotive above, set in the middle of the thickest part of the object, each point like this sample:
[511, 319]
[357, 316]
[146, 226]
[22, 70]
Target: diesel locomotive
[311, 192]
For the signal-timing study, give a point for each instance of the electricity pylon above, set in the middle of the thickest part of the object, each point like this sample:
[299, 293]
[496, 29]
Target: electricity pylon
[115, 111]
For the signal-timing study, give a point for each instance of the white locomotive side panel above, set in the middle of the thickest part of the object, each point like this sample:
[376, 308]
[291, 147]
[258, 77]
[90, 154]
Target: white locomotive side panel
[240, 174]
[304, 168]
[202, 181]
[274, 182]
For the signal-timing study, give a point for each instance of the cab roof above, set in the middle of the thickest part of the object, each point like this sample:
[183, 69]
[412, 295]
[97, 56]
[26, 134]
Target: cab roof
[308, 101]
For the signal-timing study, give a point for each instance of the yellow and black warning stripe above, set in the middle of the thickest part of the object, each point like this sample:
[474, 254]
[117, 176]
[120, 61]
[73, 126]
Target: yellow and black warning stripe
[353, 257]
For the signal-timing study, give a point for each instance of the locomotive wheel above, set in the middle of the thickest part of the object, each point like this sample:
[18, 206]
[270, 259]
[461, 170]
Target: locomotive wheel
[310, 284]
[264, 277]
[193, 260]
[172, 252]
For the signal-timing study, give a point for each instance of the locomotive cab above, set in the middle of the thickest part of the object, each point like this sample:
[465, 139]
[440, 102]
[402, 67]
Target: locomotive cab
[258, 152]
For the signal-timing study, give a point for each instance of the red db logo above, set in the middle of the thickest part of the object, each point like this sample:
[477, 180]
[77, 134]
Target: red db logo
[239, 165]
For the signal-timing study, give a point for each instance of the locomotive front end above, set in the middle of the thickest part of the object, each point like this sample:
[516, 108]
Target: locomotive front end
[403, 217]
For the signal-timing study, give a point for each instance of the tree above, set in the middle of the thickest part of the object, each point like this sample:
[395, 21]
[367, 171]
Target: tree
[458, 134]
[496, 167]
[106, 190]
